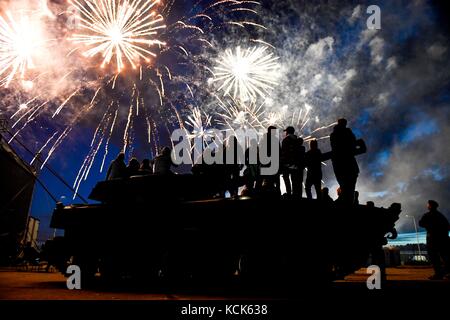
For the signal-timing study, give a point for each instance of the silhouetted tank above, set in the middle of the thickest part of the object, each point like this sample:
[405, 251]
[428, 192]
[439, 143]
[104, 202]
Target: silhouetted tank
[172, 228]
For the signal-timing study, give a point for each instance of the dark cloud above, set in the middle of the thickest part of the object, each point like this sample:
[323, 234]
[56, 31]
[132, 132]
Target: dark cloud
[396, 93]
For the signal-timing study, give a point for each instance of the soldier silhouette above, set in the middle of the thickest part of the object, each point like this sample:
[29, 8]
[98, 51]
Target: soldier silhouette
[344, 147]
[272, 181]
[233, 152]
[292, 162]
[314, 165]
[438, 245]
[252, 174]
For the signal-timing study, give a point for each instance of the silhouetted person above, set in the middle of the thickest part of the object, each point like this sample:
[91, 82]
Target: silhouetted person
[233, 169]
[437, 227]
[146, 167]
[344, 147]
[252, 172]
[117, 169]
[292, 162]
[313, 160]
[356, 198]
[133, 167]
[325, 197]
[163, 162]
[370, 204]
[272, 181]
[339, 200]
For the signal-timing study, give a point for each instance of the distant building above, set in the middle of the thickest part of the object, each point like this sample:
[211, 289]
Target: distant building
[31, 231]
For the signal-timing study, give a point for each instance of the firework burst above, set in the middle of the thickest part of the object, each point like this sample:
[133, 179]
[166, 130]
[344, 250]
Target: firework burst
[299, 118]
[236, 114]
[125, 29]
[246, 73]
[199, 122]
[19, 41]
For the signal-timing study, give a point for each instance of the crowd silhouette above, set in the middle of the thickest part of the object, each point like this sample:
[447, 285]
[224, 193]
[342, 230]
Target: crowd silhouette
[244, 177]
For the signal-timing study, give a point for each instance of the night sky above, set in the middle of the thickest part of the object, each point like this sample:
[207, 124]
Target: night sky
[393, 86]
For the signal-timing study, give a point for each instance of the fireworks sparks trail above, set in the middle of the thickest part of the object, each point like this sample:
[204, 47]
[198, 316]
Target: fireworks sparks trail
[43, 147]
[149, 130]
[298, 118]
[22, 107]
[30, 118]
[64, 103]
[120, 28]
[200, 122]
[108, 120]
[126, 133]
[59, 140]
[246, 73]
[107, 141]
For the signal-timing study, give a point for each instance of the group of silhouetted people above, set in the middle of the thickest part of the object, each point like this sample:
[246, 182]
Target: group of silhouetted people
[160, 165]
[293, 161]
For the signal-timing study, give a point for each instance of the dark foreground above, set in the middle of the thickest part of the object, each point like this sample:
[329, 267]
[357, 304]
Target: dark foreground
[20, 285]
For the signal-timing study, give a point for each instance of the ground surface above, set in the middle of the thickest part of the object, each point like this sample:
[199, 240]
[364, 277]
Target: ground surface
[22, 285]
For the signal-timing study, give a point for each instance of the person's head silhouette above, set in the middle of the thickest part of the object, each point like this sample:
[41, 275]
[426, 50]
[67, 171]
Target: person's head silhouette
[145, 164]
[134, 163]
[289, 130]
[313, 145]
[165, 151]
[342, 122]
[432, 205]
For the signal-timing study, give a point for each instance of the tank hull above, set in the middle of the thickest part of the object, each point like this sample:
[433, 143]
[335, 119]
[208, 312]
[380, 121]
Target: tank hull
[256, 240]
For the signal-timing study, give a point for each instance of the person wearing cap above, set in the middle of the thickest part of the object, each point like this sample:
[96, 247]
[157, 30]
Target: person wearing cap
[438, 245]
[292, 162]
